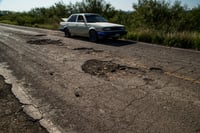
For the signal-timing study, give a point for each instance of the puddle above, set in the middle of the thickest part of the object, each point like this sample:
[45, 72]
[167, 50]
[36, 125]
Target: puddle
[102, 68]
[44, 41]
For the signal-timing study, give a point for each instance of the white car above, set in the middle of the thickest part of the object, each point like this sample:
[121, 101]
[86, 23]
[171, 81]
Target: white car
[91, 25]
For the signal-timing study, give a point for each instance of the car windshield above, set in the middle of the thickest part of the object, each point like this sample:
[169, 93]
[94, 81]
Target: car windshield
[95, 18]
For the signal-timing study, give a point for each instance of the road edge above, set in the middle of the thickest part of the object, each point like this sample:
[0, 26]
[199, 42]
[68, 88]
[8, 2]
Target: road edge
[27, 103]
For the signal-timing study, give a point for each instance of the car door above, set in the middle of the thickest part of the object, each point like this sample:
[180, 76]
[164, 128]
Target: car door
[72, 24]
[82, 26]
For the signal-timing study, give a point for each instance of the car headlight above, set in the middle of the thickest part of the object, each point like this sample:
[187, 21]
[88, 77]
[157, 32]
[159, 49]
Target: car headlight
[107, 29]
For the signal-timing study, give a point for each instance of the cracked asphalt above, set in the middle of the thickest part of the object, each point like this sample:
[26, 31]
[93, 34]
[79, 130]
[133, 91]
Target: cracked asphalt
[13, 119]
[107, 87]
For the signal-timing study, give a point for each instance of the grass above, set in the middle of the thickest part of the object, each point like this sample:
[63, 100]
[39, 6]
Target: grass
[186, 40]
[8, 22]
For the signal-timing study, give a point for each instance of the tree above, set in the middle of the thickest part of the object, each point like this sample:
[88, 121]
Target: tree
[151, 13]
[93, 6]
[193, 23]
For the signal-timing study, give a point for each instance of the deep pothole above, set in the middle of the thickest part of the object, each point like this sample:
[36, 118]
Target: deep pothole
[88, 50]
[102, 68]
[40, 35]
[44, 41]
[156, 69]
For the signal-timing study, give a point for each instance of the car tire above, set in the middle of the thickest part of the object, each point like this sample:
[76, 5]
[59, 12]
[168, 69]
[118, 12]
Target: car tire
[93, 36]
[115, 38]
[67, 32]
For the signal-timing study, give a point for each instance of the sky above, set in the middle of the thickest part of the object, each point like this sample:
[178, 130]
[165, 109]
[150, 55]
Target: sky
[26, 5]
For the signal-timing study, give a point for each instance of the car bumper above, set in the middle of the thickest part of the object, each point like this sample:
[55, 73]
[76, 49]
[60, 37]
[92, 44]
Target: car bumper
[111, 34]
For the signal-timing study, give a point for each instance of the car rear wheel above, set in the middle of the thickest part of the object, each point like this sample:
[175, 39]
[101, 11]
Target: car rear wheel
[67, 32]
[93, 36]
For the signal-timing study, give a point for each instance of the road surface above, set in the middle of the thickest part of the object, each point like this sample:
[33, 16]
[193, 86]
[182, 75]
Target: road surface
[107, 87]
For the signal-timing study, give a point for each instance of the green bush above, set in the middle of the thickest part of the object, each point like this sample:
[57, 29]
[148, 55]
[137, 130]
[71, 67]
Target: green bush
[145, 37]
[186, 40]
[197, 42]
[182, 40]
[8, 22]
[132, 36]
[157, 39]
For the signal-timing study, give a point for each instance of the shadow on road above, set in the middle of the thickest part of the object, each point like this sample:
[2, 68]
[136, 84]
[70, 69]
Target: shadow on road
[109, 42]
[116, 43]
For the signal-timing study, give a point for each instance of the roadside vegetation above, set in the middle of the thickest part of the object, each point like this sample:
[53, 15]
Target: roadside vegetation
[152, 21]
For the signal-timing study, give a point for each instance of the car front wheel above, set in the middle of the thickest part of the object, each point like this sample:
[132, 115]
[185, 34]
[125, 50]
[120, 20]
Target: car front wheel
[67, 32]
[115, 38]
[93, 36]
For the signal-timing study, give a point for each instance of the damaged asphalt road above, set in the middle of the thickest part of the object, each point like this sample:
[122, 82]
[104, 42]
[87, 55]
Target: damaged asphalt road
[13, 119]
[107, 87]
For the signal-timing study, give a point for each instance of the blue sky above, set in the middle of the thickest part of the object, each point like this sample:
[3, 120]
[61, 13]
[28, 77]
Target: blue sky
[26, 5]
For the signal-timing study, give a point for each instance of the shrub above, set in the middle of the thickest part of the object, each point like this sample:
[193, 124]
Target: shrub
[182, 40]
[8, 22]
[187, 40]
[158, 39]
[197, 42]
[145, 37]
[132, 36]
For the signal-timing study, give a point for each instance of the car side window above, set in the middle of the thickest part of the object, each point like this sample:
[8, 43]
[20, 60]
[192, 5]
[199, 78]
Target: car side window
[72, 18]
[80, 18]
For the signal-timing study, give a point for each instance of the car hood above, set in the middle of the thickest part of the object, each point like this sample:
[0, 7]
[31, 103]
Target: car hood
[105, 24]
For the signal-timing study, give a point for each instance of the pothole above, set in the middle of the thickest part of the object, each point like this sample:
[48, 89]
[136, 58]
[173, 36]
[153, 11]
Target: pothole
[77, 94]
[44, 41]
[40, 35]
[156, 69]
[102, 68]
[51, 73]
[88, 50]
